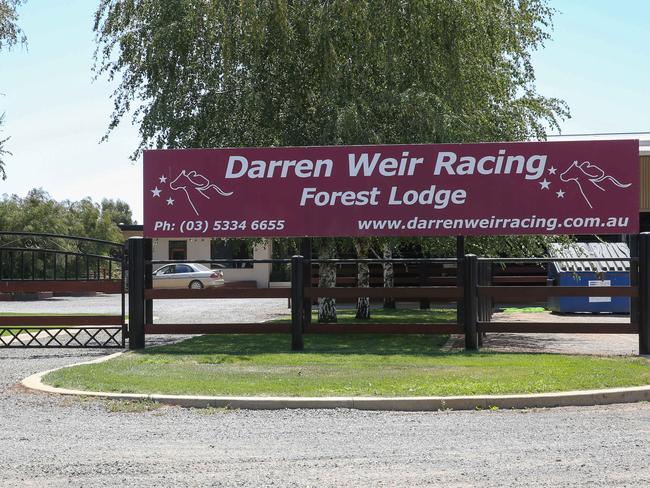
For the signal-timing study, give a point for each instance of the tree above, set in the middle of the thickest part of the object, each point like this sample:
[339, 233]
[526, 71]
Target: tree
[387, 249]
[118, 211]
[208, 73]
[327, 278]
[200, 73]
[39, 212]
[362, 248]
[10, 34]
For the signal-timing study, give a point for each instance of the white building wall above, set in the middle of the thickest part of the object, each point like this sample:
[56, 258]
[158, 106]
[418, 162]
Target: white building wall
[199, 249]
[160, 249]
[260, 273]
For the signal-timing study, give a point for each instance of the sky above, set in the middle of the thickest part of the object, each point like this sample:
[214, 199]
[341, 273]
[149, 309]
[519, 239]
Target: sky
[56, 113]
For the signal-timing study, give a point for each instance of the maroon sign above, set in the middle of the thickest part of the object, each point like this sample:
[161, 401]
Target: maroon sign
[401, 190]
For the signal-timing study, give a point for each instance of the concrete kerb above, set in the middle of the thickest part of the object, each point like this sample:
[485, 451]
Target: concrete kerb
[521, 401]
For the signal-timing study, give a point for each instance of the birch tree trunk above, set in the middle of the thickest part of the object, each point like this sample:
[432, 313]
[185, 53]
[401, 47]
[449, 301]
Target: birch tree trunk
[327, 279]
[362, 246]
[389, 275]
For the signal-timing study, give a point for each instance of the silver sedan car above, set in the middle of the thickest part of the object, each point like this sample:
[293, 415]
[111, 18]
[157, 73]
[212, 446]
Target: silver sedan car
[187, 275]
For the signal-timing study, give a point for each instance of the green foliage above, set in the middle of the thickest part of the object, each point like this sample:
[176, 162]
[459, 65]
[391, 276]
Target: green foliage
[39, 212]
[200, 73]
[492, 246]
[118, 211]
[10, 34]
[487, 246]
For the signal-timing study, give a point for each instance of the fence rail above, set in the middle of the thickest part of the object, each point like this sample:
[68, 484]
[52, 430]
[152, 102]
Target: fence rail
[167, 294]
[60, 320]
[440, 293]
[528, 293]
[53, 257]
[76, 286]
[558, 327]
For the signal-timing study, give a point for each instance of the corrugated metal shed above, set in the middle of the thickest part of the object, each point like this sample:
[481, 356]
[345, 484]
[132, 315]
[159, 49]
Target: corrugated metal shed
[645, 183]
[590, 250]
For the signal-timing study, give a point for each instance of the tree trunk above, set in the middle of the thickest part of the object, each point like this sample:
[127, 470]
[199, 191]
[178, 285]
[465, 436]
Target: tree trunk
[389, 275]
[362, 246]
[327, 279]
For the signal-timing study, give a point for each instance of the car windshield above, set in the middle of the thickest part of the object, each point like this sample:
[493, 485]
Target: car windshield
[201, 267]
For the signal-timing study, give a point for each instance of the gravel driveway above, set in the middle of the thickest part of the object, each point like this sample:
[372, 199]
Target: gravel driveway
[47, 440]
[165, 311]
[592, 344]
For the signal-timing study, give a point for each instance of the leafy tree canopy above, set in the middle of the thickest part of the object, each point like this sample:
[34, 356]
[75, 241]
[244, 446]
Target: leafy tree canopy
[10, 34]
[201, 73]
[39, 212]
[118, 211]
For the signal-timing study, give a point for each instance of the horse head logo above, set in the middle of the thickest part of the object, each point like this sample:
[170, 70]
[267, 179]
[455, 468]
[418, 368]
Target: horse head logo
[192, 183]
[585, 173]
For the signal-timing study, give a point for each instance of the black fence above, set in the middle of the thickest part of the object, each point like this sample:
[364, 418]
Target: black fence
[473, 290]
[50, 263]
[33, 264]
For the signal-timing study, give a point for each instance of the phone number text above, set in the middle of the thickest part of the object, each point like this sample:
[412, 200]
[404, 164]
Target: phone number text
[205, 226]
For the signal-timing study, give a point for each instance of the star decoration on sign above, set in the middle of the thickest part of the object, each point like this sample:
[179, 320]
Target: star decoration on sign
[170, 201]
[156, 192]
[163, 179]
[552, 182]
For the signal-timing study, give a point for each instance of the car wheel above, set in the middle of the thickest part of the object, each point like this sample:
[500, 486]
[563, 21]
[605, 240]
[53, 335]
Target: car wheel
[196, 285]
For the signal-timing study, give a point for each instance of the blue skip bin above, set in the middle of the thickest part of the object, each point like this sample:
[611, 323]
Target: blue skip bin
[590, 273]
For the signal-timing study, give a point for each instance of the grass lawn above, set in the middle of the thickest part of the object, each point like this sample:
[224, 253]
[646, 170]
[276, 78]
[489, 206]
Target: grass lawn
[343, 365]
[380, 315]
[524, 309]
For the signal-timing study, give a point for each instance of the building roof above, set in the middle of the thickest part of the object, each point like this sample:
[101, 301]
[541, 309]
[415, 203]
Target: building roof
[588, 250]
[130, 227]
[643, 137]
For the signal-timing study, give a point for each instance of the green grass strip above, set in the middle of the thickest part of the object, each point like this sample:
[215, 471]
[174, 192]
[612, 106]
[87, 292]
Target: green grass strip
[384, 316]
[344, 365]
[524, 309]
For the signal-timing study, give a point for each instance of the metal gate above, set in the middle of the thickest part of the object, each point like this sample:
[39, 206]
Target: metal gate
[36, 266]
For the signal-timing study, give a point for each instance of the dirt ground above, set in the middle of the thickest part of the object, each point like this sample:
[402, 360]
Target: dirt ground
[593, 344]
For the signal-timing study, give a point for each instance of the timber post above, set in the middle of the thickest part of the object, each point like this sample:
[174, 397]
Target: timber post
[306, 251]
[644, 294]
[633, 243]
[136, 292]
[297, 302]
[148, 280]
[460, 271]
[470, 301]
